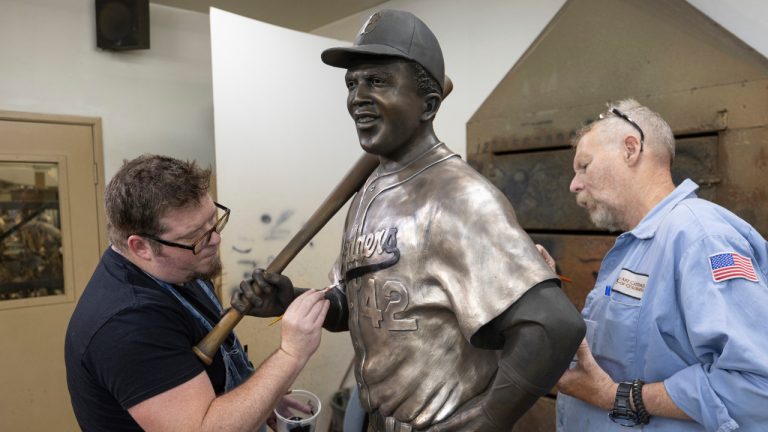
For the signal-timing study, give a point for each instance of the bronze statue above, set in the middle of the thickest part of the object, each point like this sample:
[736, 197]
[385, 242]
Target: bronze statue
[457, 322]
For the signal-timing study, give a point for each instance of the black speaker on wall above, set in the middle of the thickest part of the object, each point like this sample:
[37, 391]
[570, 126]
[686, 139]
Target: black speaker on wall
[122, 24]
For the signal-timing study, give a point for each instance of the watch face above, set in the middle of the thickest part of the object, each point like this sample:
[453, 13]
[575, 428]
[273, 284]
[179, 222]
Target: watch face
[623, 419]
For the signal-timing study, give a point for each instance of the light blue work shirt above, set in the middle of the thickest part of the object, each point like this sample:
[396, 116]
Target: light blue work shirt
[659, 315]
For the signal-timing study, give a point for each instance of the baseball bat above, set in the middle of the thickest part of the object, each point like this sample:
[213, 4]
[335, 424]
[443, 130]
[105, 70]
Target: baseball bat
[351, 183]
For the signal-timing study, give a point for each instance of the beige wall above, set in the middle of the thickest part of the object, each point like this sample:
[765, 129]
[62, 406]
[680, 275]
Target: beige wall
[156, 100]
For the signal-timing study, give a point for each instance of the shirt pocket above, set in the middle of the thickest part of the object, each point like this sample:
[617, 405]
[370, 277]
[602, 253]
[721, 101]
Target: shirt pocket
[616, 335]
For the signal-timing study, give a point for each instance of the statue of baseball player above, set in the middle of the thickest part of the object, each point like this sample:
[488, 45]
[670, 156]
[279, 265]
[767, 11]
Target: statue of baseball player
[457, 322]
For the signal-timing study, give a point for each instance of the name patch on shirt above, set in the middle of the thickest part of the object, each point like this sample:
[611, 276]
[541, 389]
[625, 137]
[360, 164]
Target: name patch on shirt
[630, 283]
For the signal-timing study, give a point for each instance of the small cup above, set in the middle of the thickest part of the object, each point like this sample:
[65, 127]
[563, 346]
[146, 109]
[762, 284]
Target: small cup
[295, 420]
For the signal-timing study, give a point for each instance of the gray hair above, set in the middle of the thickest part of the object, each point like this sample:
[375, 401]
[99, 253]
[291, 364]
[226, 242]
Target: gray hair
[657, 132]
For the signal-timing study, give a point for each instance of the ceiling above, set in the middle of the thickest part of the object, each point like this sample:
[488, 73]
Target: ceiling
[303, 15]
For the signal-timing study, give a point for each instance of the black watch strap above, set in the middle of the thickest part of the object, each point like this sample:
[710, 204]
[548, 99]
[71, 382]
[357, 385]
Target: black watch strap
[622, 411]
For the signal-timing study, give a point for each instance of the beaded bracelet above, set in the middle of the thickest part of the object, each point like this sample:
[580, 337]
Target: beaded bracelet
[637, 399]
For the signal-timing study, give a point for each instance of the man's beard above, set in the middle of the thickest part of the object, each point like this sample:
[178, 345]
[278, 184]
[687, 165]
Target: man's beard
[602, 215]
[212, 273]
[604, 218]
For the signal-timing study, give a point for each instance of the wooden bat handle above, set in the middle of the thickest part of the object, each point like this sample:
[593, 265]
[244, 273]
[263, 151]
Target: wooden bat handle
[351, 183]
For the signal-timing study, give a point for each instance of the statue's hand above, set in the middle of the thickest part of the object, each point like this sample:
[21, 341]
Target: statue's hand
[263, 294]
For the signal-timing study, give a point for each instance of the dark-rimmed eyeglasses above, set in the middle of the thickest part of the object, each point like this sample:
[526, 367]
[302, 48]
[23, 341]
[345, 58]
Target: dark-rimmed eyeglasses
[201, 242]
[626, 118]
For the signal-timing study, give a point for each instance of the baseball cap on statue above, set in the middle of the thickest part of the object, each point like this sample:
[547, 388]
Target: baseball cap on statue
[392, 33]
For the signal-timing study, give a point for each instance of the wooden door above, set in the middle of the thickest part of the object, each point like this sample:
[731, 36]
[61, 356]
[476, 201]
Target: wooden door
[51, 237]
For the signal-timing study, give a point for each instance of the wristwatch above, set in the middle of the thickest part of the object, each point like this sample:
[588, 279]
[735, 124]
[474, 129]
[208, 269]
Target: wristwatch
[622, 411]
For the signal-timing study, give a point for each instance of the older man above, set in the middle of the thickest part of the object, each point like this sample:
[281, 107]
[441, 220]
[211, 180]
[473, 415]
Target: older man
[678, 311]
[457, 322]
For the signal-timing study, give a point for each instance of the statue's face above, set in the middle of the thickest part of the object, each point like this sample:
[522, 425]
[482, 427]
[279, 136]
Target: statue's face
[385, 104]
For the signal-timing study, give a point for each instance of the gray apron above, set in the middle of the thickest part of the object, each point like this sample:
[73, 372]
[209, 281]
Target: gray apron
[236, 363]
[238, 368]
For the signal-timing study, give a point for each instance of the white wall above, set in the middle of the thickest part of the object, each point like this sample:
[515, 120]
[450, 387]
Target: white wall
[160, 100]
[157, 100]
[482, 40]
[283, 141]
[747, 19]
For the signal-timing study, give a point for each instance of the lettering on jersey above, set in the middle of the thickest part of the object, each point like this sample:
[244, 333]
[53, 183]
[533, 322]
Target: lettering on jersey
[631, 283]
[371, 252]
[393, 296]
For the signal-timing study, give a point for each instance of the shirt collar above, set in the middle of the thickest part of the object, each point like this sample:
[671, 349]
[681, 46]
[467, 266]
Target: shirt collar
[650, 223]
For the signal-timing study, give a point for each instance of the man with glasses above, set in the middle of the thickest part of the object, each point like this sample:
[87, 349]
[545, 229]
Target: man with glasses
[676, 321]
[128, 348]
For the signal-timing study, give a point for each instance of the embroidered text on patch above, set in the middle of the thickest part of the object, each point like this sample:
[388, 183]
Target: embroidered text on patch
[731, 265]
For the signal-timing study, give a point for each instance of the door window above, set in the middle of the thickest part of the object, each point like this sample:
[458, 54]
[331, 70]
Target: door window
[31, 261]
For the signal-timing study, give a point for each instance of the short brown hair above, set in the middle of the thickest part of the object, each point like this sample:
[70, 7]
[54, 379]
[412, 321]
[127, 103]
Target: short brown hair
[145, 188]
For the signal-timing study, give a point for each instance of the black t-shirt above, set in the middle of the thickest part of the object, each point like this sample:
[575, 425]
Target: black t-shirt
[129, 340]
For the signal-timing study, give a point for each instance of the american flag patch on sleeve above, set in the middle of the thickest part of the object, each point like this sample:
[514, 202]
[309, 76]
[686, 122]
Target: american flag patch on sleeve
[731, 265]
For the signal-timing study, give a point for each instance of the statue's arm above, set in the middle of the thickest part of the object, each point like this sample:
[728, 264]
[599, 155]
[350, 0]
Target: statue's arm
[541, 332]
[337, 319]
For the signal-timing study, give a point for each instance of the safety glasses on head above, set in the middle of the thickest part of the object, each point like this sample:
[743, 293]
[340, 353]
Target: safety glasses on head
[615, 111]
